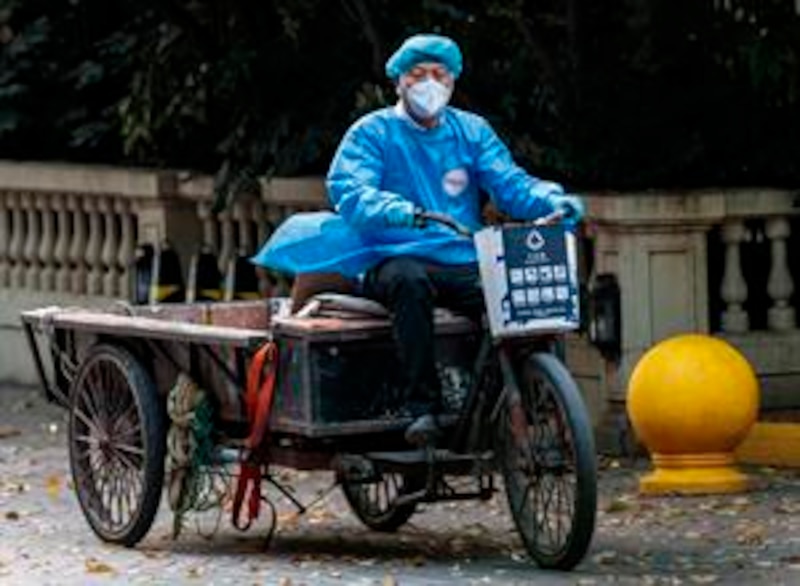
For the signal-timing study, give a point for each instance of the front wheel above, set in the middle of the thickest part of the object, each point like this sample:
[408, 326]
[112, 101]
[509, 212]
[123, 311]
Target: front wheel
[546, 449]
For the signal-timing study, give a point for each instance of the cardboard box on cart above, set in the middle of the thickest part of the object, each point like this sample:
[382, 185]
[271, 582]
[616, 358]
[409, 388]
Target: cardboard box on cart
[530, 279]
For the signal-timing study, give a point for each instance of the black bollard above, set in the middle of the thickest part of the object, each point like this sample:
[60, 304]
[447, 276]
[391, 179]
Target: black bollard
[167, 285]
[141, 275]
[241, 279]
[205, 278]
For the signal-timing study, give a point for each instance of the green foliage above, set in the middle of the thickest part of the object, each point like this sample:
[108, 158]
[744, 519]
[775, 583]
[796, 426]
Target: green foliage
[619, 94]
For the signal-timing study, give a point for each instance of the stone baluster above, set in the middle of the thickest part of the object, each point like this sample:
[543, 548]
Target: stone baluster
[5, 235]
[734, 287]
[781, 315]
[209, 225]
[227, 246]
[77, 250]
[127, 242]
[15, 248]
[262, 227]
[242, 217]
[32, 239]
[61, 251]
[94, 246]
[274, 216]
[46, 252]
[108, 255]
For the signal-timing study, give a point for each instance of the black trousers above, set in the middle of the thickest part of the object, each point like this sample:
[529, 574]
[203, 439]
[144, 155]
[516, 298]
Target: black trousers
[410, 289]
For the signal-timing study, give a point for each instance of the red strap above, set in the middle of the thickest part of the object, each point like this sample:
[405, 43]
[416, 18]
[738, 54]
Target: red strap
[258, 404]
[260, 392]
[249, 482]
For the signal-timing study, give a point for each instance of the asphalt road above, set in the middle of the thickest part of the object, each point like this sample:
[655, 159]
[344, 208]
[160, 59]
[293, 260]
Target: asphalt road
[752, 538]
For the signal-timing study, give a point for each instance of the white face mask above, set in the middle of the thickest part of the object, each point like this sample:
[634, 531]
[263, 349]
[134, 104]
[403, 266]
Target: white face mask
[426, 99]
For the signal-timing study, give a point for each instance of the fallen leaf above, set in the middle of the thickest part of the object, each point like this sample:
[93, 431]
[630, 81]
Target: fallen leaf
[619, 505]
[95, 566]
[703, 579]
[9, 431]
[389, 580]
[605, 557]
[52, 485]
[12, 516]
[290, 519]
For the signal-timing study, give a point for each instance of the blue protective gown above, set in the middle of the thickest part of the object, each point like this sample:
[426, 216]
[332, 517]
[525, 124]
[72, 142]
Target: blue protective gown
[386, 156]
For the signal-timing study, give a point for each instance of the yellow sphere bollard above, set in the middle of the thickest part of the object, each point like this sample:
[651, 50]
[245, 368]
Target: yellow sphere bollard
[692, 399]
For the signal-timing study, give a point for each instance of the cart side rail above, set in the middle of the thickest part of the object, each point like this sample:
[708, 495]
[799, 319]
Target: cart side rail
[102, 323]
[41, 327]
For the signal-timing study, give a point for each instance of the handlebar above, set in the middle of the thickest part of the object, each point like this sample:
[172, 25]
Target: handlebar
[421, 218]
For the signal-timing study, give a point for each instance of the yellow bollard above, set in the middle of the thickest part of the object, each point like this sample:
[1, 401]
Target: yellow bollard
[692, 399]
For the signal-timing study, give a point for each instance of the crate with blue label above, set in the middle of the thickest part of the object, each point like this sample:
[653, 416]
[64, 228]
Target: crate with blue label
[530, 279]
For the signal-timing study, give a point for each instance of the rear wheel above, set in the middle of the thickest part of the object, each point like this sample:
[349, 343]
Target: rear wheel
[373, 499]
[116, 444]
[547, 456]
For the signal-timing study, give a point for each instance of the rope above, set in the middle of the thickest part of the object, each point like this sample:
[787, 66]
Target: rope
[192, 484]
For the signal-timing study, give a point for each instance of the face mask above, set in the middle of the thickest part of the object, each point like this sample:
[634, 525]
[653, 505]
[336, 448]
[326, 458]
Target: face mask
[427, 98]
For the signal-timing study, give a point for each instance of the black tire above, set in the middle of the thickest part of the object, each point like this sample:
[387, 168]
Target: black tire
[374, 501]
[547, 455]
[117, 431]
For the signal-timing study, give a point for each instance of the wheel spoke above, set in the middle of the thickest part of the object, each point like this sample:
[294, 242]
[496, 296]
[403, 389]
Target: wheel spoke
[136, 451]
[87, 421]
[88, 439]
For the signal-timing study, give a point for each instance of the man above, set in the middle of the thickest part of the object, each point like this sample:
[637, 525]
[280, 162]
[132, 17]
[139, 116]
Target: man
[422, 154]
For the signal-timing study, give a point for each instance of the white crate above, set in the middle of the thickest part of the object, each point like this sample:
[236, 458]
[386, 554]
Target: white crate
[530, 279]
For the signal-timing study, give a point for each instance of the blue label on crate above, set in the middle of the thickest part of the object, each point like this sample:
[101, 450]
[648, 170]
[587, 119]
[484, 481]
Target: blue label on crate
[538, 274]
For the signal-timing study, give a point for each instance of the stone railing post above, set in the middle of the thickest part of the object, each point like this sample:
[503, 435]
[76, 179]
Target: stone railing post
[127, 245]
[15, 248]
[109, 253]
[77, 249]
[781, 316]
[47, 280]
[734, 287]
[61, 252]
[94, 246]
[5, 233]
[32, 241]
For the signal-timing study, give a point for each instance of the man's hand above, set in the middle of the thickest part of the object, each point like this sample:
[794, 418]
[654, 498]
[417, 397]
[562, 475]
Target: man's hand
[571, 206]
[399, 214]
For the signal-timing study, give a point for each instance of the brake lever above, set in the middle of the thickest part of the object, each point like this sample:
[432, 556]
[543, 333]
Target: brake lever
[550, 219]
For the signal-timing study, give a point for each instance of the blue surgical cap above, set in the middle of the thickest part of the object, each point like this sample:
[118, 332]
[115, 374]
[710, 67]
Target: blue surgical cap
[422, 48]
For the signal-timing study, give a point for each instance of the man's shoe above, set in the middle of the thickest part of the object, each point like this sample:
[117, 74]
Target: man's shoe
[423, 431]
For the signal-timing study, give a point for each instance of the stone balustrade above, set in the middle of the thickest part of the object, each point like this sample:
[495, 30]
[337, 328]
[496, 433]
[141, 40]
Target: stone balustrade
[247, 223]
[74, 230]
[69, 230]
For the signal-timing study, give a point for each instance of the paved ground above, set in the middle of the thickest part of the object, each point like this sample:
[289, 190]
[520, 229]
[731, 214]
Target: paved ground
[744, 539]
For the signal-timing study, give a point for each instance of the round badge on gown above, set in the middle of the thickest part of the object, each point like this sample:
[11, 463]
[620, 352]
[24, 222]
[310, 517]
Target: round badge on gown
[455, 181]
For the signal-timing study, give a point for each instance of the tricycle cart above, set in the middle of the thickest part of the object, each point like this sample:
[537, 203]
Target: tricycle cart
[324, 398]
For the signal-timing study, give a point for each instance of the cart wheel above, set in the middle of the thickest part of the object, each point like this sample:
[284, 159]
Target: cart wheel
[116, 444]
[374, 500]
[546, 450]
